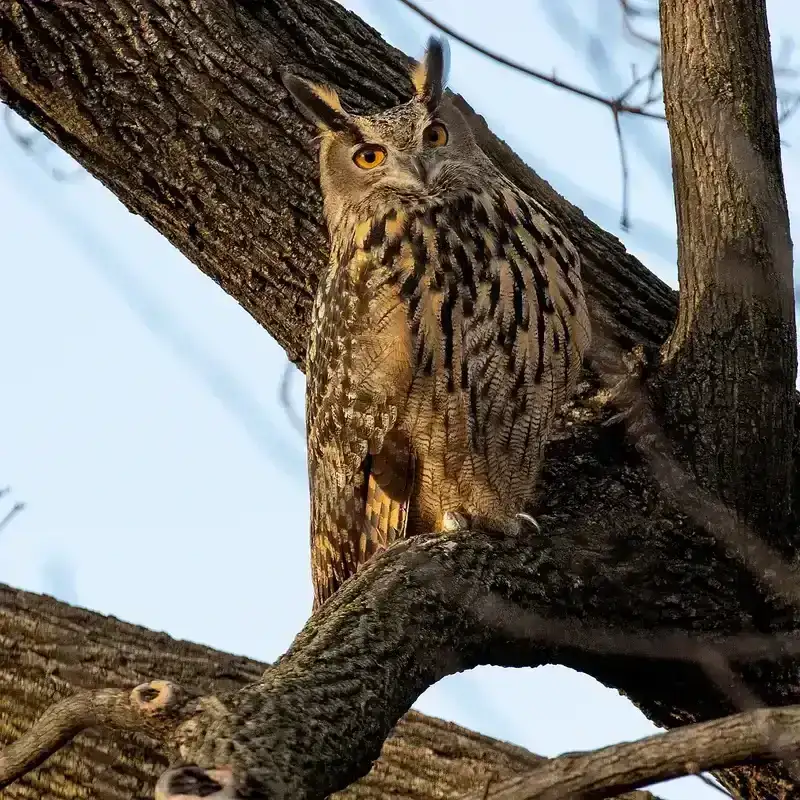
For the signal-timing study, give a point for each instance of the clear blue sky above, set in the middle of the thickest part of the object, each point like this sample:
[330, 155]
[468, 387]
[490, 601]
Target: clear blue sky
[140, 403]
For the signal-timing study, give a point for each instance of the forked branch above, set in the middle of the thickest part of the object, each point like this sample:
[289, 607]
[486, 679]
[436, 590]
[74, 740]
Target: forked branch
[199, 727]
[317, 719]
[154, 708]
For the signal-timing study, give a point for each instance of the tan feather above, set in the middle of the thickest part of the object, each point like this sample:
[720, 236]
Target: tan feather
[328, 95]
[419, 77]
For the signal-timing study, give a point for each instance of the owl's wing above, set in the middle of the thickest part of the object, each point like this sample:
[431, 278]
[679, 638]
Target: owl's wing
[360, 463]
[524, 343]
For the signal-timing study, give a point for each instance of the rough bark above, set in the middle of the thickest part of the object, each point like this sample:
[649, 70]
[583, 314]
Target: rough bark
[730, 363]
[176, 107]
[51, 650]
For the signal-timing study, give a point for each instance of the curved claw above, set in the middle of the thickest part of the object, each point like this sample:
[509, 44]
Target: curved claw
[523, 517]
[190, 782]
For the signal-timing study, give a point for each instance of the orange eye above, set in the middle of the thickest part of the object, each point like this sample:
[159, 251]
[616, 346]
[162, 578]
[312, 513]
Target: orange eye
[369, 156]
[435, 135]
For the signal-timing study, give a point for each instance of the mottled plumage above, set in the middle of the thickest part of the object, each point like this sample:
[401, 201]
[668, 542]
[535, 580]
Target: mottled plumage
[448, 329]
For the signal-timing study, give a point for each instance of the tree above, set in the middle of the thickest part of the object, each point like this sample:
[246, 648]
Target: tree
[669, 491]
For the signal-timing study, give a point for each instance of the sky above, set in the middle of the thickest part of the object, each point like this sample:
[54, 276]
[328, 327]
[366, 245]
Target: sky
[141, 405]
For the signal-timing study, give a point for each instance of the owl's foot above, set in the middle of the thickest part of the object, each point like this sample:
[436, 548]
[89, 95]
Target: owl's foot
[522, 524]
[193, 783]
[453, 521]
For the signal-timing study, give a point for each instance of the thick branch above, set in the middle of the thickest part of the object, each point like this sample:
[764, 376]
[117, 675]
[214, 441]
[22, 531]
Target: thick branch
[436, 605]
[51, 651]
[352, 666]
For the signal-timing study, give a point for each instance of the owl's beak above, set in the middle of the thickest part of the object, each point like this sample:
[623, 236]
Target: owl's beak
[418, 169]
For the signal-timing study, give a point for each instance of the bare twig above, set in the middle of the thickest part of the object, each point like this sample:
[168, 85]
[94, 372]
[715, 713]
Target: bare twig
[295, 419]
[622, 108]
[30, 143]
[624, 220]
[149, 708]
[788, 103]
[631, 12]
[15, 509]
[683, 751]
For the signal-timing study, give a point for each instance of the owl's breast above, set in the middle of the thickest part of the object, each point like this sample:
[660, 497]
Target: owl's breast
[477, 300]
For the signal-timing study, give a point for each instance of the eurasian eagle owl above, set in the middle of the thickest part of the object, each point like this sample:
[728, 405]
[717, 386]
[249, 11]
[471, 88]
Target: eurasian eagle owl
[448, 329]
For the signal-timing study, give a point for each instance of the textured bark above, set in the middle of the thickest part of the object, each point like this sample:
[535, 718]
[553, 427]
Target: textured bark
[731, 361]
[51, 650]
[175, 105]
[602, 773]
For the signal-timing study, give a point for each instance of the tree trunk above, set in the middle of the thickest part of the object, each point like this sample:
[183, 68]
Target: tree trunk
[734, 261]
[175, 105]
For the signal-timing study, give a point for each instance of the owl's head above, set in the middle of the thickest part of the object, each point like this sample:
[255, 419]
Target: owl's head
[423, 148]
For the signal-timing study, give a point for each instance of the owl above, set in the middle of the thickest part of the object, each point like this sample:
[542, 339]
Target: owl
[448, 329]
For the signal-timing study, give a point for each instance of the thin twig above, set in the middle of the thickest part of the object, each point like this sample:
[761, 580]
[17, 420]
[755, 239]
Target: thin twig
[295, 419]
[15, 509]
[622, 108]
[650, 78]
[624, 220]
[629, 11]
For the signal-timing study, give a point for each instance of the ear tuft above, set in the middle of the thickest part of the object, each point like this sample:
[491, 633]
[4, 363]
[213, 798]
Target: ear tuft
[319, 104]
[328, 95]
[429, 75]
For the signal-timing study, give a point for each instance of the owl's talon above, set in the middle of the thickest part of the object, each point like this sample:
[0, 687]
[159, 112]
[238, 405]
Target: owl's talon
[452, 521]
[523, 519]
[191, 782]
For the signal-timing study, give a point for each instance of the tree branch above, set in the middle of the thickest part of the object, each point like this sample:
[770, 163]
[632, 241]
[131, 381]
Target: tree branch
[686, 751]
[426, 608]
[447, 594]
[617, 104]
[153, 708]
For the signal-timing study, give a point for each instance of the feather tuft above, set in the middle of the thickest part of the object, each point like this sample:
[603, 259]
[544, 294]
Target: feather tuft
[429, 75]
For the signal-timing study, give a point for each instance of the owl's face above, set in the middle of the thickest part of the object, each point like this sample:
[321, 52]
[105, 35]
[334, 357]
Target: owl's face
[422, 149]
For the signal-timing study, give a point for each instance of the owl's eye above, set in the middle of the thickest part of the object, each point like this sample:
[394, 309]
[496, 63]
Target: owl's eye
[435, 135]
[369, 156]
